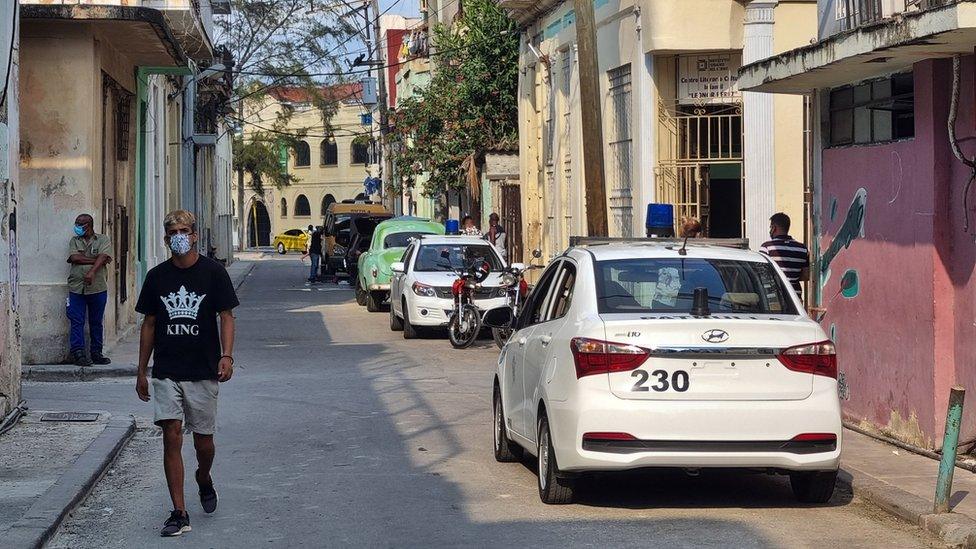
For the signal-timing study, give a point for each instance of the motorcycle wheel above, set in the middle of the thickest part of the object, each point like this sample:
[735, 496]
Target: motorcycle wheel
[464, 328]
[501, 335]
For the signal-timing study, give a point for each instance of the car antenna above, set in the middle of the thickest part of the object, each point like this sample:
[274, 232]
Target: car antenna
[684, 247]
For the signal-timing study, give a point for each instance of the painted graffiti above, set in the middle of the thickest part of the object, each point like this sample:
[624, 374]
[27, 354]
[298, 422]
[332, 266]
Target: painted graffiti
[852, 229]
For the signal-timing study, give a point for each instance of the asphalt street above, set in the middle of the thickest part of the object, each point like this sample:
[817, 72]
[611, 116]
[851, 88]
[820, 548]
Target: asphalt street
[336, 432]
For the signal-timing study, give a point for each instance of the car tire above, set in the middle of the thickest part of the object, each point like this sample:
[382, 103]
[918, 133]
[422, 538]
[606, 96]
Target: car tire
[374, 300]
[505, 450]
[361, 294]
[396, 323]
[553, 489]
[409, 332]
[813, 486]
[281, 248]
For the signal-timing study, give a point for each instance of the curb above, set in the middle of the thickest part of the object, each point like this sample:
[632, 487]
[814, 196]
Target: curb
[70, 372]
[955, 530]
[244, 274]
[42, 520]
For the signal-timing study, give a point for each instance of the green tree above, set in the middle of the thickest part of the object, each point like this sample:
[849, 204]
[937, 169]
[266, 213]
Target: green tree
[470, 105]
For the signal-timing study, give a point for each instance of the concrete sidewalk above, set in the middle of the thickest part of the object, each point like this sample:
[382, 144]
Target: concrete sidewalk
[125, 353]
[48, 467]
[903, 484]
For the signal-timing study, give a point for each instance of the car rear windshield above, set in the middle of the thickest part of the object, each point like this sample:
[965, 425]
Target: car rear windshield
[401, 240]
[460, 256]
[667, 285]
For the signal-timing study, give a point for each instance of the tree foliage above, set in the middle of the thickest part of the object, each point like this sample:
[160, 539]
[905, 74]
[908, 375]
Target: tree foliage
[280, 44]
[470, 105]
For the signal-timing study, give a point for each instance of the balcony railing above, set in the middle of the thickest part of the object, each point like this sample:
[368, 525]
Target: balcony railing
[843, 15]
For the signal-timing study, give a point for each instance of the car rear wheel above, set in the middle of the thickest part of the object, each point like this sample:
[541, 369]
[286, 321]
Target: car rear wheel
[360, 293]
[409, 332]
[553, 489]
[505, 451]
[813, 486]
[281, 248]
[374, 300]
[396, 323]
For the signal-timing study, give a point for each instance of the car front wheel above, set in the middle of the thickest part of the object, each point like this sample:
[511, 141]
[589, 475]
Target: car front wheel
[396, 323]
[281, 248]
[409, 332]
[813, 486]
[553, 489]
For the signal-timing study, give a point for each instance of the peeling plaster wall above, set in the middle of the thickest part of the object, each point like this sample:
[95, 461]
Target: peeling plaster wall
[10, 327]
[905, 330]
[61, 176]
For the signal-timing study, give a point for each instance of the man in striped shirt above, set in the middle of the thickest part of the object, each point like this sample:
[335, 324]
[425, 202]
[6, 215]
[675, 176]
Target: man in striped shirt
[791, 256]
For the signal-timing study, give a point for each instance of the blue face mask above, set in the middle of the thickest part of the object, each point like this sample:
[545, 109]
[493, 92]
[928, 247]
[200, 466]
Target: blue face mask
[79, 230]
[180, 243]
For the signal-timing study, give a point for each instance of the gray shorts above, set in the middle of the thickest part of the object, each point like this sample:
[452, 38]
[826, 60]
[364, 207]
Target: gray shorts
[192, 402]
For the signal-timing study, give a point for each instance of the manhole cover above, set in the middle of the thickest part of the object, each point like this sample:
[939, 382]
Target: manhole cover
[69, 416]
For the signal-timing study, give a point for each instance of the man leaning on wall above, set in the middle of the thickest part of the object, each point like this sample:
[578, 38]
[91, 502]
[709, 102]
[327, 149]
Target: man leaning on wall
[88, 255]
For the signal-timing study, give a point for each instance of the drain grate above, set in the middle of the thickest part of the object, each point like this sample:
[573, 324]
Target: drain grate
[70, 416]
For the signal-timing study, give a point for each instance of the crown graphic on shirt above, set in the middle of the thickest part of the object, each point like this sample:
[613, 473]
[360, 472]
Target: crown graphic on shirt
[182, 304]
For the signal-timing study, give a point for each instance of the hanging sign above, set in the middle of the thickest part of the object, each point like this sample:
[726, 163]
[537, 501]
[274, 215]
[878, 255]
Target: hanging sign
[709, 78]
[370, 94]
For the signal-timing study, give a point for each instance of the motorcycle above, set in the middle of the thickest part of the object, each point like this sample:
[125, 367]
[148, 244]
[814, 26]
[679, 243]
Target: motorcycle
[516, 288]
[465, 323]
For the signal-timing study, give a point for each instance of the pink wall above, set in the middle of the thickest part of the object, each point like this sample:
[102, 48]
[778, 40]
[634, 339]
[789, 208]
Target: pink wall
[909, 333]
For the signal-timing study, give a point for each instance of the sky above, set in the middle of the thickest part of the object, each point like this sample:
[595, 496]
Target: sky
[407, 8]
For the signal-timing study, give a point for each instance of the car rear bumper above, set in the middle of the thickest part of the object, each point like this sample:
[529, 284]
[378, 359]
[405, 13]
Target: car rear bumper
[379, 287]
[748, 434]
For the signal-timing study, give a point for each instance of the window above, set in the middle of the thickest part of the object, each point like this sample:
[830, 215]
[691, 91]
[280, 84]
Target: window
[360, 153]
[873, 111]
[666, 285]
[562, 298]
[327, 200]
[294, 232]
[621, 151]
[302, 208]
[534, 310]
[401, 240]
[303, 155]
[284, 208]
[430, 260]
[330, 152]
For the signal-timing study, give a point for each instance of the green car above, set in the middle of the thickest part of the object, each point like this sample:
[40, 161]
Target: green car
[390, 240]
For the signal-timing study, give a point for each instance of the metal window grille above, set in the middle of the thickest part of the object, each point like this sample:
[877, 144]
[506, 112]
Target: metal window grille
[621, 150]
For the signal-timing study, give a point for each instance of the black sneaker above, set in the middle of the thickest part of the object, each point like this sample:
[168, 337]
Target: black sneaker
[99, 358]
[177, 524]
[208, 495]
[81, 359]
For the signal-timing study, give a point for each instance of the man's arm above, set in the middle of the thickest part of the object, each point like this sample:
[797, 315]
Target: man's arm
[147, 337]
[225, 369]
[81, 259]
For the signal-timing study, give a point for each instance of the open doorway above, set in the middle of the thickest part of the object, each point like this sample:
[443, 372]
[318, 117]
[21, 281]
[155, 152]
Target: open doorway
[258, 225]
[725, 201]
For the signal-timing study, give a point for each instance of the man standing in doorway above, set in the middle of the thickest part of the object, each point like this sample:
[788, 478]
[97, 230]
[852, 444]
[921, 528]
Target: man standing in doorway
[88, 254]
[791, 255]
[182, 299]
[496, 235]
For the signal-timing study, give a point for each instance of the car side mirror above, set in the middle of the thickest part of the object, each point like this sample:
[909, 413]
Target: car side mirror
[537, 253]
[398, 267]
[499, 318]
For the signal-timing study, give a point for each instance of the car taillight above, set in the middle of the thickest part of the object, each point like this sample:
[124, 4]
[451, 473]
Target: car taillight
[374, 272]
[593, 356]
[608, 436]
[813, 358]
[815, 437]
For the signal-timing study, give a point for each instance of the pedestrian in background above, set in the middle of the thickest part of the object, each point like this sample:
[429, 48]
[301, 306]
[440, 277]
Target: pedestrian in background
[468, 228]
[314, 252]
[791, 255]
[88, 254]
[690, 228]
[496, 235]
[182, 299]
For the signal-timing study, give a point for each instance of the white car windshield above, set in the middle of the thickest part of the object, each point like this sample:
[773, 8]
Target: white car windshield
[667, 285]
[431, 258]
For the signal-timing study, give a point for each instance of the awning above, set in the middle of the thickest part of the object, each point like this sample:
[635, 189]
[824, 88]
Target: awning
[142, 33]
[869, 51]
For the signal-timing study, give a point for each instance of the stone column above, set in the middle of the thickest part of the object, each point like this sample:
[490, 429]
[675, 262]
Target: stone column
[757, 111]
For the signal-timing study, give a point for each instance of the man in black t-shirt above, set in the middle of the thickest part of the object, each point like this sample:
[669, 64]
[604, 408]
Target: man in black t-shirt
[314, 252]
[182, 299]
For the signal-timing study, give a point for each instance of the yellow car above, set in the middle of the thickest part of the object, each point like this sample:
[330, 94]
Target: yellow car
[294, 240]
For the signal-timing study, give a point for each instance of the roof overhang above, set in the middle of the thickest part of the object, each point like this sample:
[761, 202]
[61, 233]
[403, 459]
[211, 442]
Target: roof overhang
[870, 51]
[525, 12]
[142, 33]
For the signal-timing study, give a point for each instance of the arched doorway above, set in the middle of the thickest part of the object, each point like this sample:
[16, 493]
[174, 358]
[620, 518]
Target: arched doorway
[327, 200]
[258, 225]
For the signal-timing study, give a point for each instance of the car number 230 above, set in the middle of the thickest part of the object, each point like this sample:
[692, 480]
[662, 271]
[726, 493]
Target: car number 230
[663, 381]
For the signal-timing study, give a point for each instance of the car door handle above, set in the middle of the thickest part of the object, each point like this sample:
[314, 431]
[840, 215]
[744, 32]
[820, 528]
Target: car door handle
[546, 340]
[521, 342]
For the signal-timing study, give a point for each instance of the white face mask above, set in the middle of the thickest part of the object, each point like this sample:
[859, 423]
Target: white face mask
[180, 243]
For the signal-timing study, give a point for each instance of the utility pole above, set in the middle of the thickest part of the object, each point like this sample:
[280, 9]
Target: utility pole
[589, 75]
[376, 60]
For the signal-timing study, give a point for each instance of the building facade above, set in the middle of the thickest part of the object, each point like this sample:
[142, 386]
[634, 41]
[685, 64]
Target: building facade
[676, 128]
[330, 165]
[892, 208]
[10, 325]
[120, 123]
